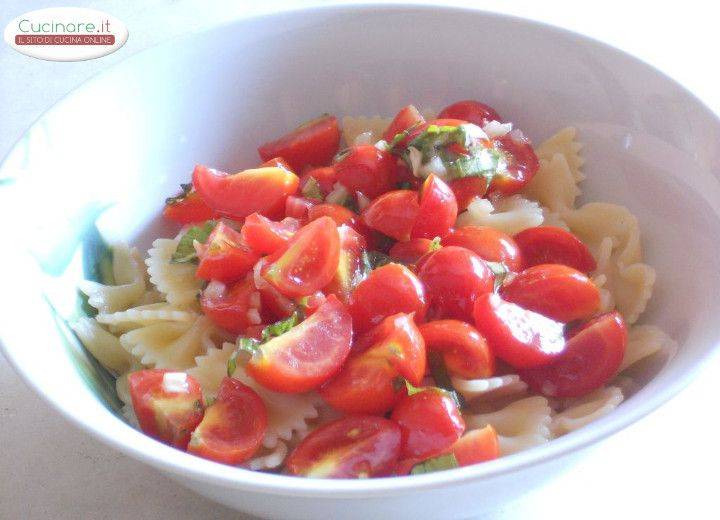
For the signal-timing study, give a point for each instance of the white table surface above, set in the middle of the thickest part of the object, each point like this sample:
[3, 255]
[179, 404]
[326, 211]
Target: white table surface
[661, 467]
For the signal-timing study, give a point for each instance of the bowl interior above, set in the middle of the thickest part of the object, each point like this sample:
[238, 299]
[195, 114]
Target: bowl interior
[99, 165]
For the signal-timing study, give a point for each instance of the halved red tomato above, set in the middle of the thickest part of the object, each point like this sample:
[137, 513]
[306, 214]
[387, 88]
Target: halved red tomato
[313, 143]
[522, 163]
[168, 404]
[351, 447]
[465, 352]
[298, 207]
[340, 214]
[554, 245]
[592, 356]
[387, 290]
[233, 427]
[488, 243]
[266, 236]
[260, 190]
[309, 262]
[521, 338]
[224, 256]
[467, 189]
[412, 251]
[326, 178]
[350, 266]
[274, 306]
[368, 170]
[277, 162]
[408, 117]
[188, 208]
[308, 354]
[393, 213]
[232, 308]
[471, 111]
[554, 290]
[476, 446]
[438, 210]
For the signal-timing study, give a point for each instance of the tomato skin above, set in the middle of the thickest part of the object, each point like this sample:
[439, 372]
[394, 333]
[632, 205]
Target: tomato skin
[471, 111]
[521, 338]
[468, 189]
[412, 251]
[438, 210]
[476, 446]
[488, 243]
[308, 263]
[454, 278]
[554, 245]
[260, 190]
[277, 162]
[298, 207]
[554, 290]
[265, 236]
[465, 352]
[387, 290]
[225, 257]
[368, 170]
[408, 117]
[393, 213]
[593, 355]
[352, 447]
[230, 308]
[164, 415]
[274, 306]
[308, 354]
[325, 176]
[523, 164]
[233, 427]
[340, 214]
[350, 266]
[430, 422]
[189, 209]
[313, 143]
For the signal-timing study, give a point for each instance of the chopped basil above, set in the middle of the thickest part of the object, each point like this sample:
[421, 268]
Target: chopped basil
[435, 244]
[341, 155]
[185, 251]
[442, 378]
[439, 463]
[281, 327]
[312, 190]
[243, 344]
[411, 389]
[185, 190]
[210, 401]
[373, 259]
[500, 271]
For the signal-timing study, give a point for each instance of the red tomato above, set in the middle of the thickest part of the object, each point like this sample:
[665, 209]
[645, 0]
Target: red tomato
[393, 213]
[308, 354]
[168, 404]
[522, 164]
[326, 177]
[554, 245]
[350, 266]
[266, 236]
[262, 190]
[465, 352]
[488, 243]
[309, 262]
[351, 447]
[314, 143]
[234, 308]
[274, 306]
[368, 381]
[468, 189]
[277, 162]
[554, 290]
[476, 446]
[592, 356]
[387, 290]
[430, 422]
[438, 210]
[233, 427]
[187, 209]
[368, 170]
[454, 278]
[298, 207]
[225, 257]
[340, 214]
[521, 338]
[471, 111]
[408, 117]
[412, 251]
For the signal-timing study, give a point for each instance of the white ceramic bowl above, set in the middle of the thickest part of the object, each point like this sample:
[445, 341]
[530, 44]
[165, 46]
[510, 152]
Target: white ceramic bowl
[127, 138]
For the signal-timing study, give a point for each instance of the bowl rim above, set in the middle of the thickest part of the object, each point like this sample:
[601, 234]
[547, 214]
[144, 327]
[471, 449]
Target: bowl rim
[196, 468]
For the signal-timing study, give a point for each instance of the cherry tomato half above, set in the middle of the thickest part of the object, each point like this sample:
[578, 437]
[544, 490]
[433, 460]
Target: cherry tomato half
[592, 356]
[340, 214]
[358, 446]
[488, 243]
[265, 236]
[465, 352]
[350, 270]
[471, 111]
[233, 427]
[554, 245]
[187, 209]
[412, 251]
[480, 445]
[232, 308]
[314, 143]
[438, 210]
[298, 207]
[393, 213]
[308, 354]
[224, 256]
[168, 404]
[368, 170]
[522, 164]
[467, 189]
[408, 117]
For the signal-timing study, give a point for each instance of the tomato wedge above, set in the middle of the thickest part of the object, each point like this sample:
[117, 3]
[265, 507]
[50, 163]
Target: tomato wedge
[351, 447]
[393, 213]
[554, 245]
[312, 144]
[326, 178]
[368, 170]
[308, 354]
[260, 190]
[522, 163]
[233, 427]
[438, 210]
[554, 290]
[592, 356]
[430, 422]
[471, 111]
[367, 382]
[309, 262]
[340, 214]
[408, 117]
[412, 251]
[224, 256]
[387, 290]
[476, 446]
[188, 208]
[232, 308]
[465, 352]
[488, 243]
[298, 207]
[521, 338]
[350, 265]
[467, 189]
[266, 236]
[168, 404]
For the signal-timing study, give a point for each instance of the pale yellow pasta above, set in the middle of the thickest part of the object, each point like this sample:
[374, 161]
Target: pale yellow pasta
[582, 411]
[105, 347]
[269, 458]
[645, 341]
[554, 185]
[123, 393]
[144, 315]
[129, 285]
[565, 144]
[352, 127]
[176, 282]
[509, 214]
[490, 387]
[211, 367]
[550, 218]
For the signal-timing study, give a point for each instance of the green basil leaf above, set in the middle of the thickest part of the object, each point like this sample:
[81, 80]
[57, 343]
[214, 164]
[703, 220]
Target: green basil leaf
[435, 244]
[439, 463]
[281, 327]
[185, 251]
[411, 389]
